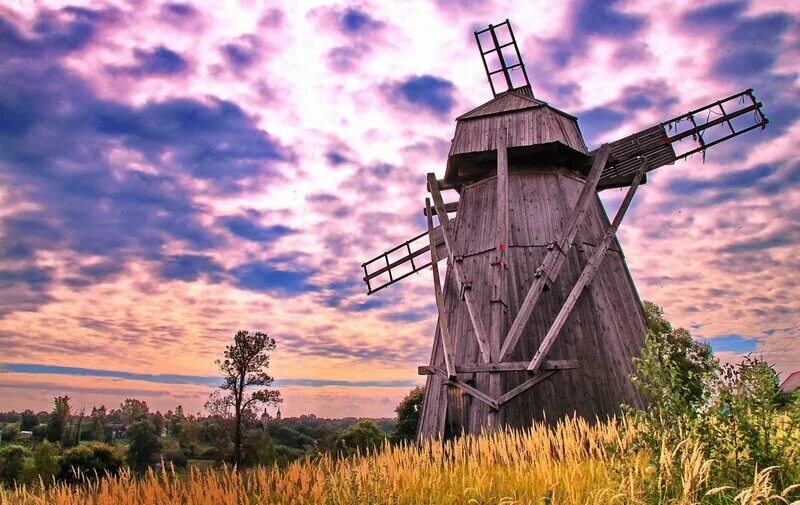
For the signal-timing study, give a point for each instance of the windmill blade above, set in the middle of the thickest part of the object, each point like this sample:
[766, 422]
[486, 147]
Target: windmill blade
[401, 261]
[501, 57]
[661, 143]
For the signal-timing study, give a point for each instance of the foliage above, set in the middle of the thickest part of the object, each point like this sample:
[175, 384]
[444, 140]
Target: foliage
[145, 444]
[57, 424]
[28, 420]
[134, 410]
[573, 462]
[88, 461]
[735, 414]
[408, 416]
[257, 449]
[44, 463]
[674, 373]
[361, 438]
[10, 432]
[98, 424]
[244, 367]
[12, 461]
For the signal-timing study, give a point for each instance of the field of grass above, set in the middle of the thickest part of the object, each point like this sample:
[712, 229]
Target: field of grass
[573, 463]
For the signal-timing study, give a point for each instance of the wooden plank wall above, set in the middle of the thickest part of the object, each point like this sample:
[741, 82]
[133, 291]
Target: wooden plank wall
[527, 127]
[604, 332]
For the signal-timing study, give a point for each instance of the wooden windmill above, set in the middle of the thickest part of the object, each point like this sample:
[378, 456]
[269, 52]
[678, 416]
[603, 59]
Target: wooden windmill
[538, 314]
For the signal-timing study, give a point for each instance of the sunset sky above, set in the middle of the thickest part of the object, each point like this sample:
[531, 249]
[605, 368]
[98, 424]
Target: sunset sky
[173, 172]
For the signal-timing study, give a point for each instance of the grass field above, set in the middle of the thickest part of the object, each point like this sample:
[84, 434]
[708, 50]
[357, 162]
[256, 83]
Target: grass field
[573, 463]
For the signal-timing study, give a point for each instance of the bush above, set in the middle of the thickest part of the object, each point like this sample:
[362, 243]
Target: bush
[360, 438]
[12, 462]
[257, 449]
[44, 464]
[408, 416]
[88, 461]
[173, 453]
[145, 444]
[10, 432]
[40, 431]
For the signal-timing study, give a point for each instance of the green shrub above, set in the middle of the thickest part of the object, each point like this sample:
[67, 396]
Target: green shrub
[88, 461]
[12, 462]
[44, 463]
[10, 432]
[360, 438]
[257, 449]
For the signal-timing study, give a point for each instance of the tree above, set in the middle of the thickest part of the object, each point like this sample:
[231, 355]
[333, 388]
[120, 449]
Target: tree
[257, 449]
[28, 420]
[134, 410]
[408, 416]
[145, 444]
[88, 461]
[12, 461]
[44, 463]
[98, 423]
[244, 367]
[360, 438]
[57, 424]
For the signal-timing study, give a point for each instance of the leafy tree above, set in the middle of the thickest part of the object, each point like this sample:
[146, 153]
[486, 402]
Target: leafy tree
[145, 444]
[88, 461]
[360, 438]
[28, 420]
[674, 372]
[44, 463]
[257, 449]
[98, 423]
[12, 462]
[57, 424]
[408, 416]
[10, 432]
[134, 410]
[244, 367]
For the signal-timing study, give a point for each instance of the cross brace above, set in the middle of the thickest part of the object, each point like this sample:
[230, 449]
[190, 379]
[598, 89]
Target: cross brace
[447, 344]
[587, 274]
[493, 403]
[464, 287]
[551, 266]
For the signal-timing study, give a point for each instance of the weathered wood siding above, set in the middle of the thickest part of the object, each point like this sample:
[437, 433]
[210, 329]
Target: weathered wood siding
[604, 332]
[526, 127]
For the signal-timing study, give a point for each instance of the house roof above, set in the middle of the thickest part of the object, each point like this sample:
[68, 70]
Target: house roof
[791, 383]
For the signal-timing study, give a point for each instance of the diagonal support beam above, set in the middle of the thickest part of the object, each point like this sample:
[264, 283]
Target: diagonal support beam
[464, 286]
[553, 261]
[587, 275]
[525, 386]
[479, 395]
[447, 343]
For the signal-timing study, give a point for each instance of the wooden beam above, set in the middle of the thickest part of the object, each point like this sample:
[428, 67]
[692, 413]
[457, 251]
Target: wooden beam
[525, 386]
[465, 388]
[553, 261]
[587, 275]
[449, 207]
[447, 344]
[463, 285]
[510, 366]
[444, 185]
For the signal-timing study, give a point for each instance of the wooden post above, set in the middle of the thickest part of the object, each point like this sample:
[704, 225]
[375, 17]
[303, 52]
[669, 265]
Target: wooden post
[587, 275]
[464, 286]
[447, 343]
[499, 298]
[555, 257]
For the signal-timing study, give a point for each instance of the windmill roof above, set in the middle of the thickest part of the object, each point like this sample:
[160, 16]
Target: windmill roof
[504, 102]
[791, 383]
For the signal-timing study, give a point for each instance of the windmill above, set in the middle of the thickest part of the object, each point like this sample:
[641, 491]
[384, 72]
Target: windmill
[538, 316]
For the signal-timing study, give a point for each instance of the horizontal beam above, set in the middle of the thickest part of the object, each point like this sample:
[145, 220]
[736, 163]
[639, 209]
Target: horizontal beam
[477, 394]
[514, 366]
[444, 185]
[449, 207]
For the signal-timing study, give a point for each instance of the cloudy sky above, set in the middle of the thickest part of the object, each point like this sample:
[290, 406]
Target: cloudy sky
[173, 172]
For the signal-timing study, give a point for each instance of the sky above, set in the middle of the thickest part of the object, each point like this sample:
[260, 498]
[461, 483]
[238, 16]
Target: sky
[171, 173]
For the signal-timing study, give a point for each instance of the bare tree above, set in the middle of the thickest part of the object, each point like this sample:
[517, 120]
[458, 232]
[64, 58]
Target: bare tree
[243, 369]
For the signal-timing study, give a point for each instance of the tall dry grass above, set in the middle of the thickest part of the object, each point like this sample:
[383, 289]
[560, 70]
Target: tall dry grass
[571, 463]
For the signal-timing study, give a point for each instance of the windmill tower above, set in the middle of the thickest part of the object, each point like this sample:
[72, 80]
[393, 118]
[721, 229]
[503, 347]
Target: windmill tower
[538, 313]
